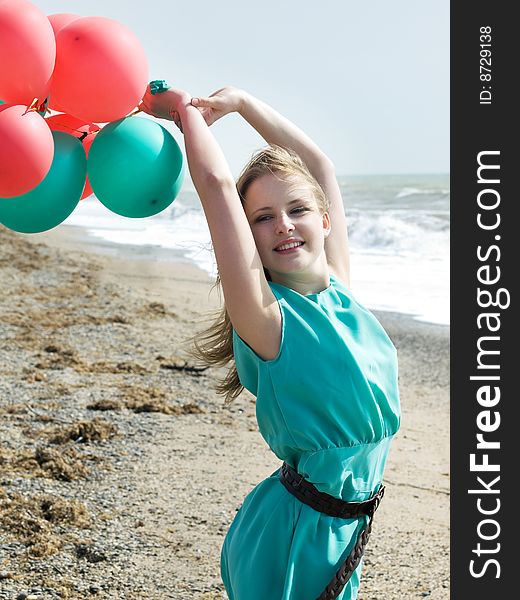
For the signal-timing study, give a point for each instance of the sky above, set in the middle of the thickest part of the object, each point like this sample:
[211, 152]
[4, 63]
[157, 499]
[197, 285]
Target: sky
[368, 81]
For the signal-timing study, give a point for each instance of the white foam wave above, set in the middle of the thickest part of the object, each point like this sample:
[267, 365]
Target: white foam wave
[412, 191]
[388, 233]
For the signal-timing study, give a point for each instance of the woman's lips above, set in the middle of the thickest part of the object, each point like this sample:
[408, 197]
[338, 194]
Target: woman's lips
[292, 250]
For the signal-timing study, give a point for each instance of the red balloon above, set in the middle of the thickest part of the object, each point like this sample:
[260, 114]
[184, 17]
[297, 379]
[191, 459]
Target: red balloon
[26, 150]
[101, 70]
[28, 51]
[59, 20]
[80, 129]
[77, 127]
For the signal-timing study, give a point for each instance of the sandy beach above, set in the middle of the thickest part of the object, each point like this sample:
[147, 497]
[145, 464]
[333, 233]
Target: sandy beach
[120, 467]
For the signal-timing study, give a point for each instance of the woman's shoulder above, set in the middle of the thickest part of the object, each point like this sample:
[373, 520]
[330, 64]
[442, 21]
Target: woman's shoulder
[339, 279]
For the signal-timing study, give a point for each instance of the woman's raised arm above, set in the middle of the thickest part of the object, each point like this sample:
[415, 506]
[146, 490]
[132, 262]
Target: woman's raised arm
[276, 129]
[250, 303]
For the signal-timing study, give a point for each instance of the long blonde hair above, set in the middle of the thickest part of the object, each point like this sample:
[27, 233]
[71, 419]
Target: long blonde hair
[214, 345]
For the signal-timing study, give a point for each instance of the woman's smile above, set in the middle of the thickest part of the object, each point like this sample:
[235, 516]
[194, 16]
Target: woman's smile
[289, 246]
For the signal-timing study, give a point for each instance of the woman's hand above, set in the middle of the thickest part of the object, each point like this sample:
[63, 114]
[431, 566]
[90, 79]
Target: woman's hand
[220, 103]
[165, 105]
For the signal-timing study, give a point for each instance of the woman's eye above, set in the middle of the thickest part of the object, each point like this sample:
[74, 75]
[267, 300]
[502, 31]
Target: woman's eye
[298, 210]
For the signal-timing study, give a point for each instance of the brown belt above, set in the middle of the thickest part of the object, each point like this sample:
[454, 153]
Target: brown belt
[325, 503]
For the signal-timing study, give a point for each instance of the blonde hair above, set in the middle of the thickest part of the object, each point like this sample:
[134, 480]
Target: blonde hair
[214, 345]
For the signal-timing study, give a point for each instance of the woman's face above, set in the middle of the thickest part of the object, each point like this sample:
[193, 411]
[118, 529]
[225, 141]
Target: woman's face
[287, 225]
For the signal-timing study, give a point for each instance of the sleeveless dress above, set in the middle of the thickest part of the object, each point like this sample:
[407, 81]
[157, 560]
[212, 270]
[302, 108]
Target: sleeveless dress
[328, 405]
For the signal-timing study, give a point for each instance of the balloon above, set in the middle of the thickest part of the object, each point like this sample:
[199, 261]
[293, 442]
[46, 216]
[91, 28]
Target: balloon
[59, 20]
[135, 167]
[28, 51]
[101, 70]
[85, 132]
[79, 128]
[26, 149]
[176, 188]
[54, 199]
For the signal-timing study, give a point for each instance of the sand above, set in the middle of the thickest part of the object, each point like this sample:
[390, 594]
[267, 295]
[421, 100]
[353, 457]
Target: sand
[120, 467]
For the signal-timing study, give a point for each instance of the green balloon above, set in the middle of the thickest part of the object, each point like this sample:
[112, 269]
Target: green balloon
[176, 188]
[54, 199]
[135, 167]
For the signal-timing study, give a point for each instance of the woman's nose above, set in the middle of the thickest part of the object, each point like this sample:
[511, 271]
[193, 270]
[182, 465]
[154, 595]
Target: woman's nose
[284, 224]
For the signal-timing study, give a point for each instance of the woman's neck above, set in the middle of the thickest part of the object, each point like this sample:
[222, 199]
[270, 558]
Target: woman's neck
[303, 283]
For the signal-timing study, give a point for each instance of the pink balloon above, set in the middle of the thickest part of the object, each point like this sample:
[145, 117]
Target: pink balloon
[28, 51]
[26, 150]
[80, 129]
[101, 70]
[59, 20]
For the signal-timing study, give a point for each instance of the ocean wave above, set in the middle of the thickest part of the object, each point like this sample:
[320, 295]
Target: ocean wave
[388, 233]
[411, 191]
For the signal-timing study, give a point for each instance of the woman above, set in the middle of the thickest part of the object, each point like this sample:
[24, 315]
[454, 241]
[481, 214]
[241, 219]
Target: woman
[322, 368]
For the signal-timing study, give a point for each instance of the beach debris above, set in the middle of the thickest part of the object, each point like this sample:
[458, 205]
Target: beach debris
[135, 397]
[154, 399]
[34, 377]
[96, 430]
[64, 465]
[154, 309]
[39, 522]
[158, 308]
[184, 409]
[178, 364]
[90, 553]
[111, 367]
[22, 257]
[59, 358]
[103, 405]
[6, 575]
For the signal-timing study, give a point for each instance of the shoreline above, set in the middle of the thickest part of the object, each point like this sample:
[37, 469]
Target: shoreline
[77, 238]
[94, 338]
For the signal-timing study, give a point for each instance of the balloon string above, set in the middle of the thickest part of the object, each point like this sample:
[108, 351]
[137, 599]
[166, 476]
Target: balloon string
[32, 106]
[37, 106]
[82, 134]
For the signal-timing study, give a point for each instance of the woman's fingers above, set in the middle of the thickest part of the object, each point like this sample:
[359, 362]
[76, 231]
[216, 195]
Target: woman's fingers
[176, 119]
[209, 115]
[202, 102]
[215, 106]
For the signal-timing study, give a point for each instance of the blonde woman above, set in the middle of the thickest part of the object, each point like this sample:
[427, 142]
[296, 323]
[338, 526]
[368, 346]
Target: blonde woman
[323, 370]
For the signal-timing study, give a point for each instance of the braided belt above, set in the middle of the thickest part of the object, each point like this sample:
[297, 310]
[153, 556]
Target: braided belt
[334, 507]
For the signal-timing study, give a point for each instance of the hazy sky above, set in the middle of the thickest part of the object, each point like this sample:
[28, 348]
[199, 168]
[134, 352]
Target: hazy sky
[368, 81]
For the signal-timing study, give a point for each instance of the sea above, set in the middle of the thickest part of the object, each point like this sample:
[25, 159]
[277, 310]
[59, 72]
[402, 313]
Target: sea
[399, 233]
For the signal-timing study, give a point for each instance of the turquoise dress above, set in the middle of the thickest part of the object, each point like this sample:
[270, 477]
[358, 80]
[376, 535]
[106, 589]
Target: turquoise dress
[328, 405]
